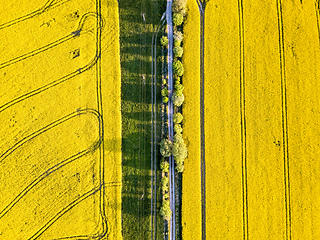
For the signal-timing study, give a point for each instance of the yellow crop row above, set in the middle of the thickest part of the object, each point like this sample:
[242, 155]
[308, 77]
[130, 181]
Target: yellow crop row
[191, 182]
[60, 122]
[222, 121]
[111, 93]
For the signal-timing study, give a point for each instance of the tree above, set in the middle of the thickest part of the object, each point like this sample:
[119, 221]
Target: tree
[178, 138]
[178, 36]
[178, 68]
[177, 128]
[177, 19]
[178, 51]
[177, 99]
[164, 41]
[179, 149]
[179, 6]
[179, 161]
[177, 80]
[165, 210]
[164, 81]
[177, 117]
[178, 89]
[164, 165]
[165, 184]
[177, 43]
[179, 168]
[166, 196]
[164, 92]
[165, 147]
[165, 99]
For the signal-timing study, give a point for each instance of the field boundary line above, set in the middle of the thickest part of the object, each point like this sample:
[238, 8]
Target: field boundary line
[243, 125]
[317, 9]
[284, 120]
[202, 124]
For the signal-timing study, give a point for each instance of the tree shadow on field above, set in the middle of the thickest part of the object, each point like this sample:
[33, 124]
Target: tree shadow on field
[137, 93]
[136, 204]
[136, 149]
[133, 48]
[112, 145]
[133, 9]
[137, 116]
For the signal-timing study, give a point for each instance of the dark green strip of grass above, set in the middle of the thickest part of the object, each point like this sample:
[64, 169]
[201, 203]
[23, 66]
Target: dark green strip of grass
[135, 49]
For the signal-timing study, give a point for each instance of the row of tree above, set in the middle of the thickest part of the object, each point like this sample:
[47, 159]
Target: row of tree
[177, 148]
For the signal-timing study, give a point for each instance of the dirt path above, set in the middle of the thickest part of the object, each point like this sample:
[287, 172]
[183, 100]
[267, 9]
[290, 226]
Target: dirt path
[154, 131]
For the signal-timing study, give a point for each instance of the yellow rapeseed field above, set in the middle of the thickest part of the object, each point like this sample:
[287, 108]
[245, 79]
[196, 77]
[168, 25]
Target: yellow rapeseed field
[60, 133]
[261, 120]
[191, 186]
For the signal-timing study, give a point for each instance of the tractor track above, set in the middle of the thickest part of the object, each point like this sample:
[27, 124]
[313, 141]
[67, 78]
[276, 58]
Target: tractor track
[142, 118]
[156, 30]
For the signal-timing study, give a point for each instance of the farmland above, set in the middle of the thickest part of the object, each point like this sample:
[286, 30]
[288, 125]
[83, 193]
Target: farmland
[261, 138]
[222, 122]
[60, 140]
[88, 91]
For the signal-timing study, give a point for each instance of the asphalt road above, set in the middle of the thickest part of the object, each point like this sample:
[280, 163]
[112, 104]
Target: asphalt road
[170, 116]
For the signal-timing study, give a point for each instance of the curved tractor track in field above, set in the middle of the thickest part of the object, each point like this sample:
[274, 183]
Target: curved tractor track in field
[201, 6]
[47, 6]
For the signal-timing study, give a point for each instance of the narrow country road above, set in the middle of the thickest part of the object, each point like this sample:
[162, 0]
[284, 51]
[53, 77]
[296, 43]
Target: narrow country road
[170, 116]
[201, 6]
